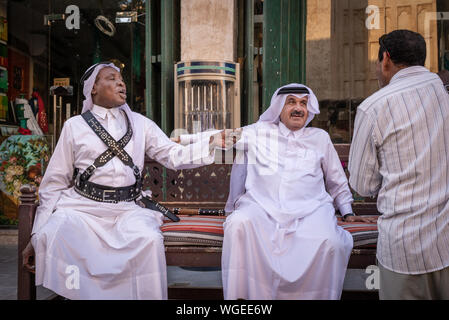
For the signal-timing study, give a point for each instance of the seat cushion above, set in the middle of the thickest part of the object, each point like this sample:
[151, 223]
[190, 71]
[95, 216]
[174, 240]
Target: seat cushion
[363, 234]
[194, 230]
[208, 231]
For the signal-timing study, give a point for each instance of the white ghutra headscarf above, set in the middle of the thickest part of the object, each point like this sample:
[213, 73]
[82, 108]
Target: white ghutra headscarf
[271, 115]
[89, 84]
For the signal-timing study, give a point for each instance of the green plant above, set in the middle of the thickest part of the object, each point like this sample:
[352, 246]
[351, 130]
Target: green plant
[5, 221]
[23, 160]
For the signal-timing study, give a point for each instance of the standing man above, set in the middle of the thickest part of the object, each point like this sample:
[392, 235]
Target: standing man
[281, 240]
[88, 224]
[400, 153]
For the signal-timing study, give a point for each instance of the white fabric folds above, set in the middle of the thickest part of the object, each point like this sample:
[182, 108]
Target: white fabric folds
[281, 238]
[95, 250]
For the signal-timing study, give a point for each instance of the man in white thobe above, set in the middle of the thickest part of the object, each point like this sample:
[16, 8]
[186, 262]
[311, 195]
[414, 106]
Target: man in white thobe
[282, 240]
[88, 249]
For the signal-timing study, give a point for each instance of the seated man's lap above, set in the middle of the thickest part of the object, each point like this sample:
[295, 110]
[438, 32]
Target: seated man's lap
[142, 221]
[319, 226]
[79, 227]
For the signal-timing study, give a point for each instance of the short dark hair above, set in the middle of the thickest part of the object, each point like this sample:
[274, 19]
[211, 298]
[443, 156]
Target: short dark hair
[404, 47]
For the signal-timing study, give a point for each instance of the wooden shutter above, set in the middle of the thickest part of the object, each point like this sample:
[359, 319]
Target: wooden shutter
[355, 48]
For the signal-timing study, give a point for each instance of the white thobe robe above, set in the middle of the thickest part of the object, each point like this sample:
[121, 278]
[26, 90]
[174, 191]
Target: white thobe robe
[282, 241]
[95, 250]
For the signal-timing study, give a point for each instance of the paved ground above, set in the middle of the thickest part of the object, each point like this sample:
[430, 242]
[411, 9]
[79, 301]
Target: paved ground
[8, 275]
[178, 278]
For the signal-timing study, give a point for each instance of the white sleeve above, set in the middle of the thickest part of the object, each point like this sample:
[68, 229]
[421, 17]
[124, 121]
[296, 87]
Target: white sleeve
[175, 156]
[58, 177]
[186, 139]
[335, 179]
[248, 136]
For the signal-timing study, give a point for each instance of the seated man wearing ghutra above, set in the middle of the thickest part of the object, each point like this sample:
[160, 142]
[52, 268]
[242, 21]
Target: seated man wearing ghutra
[88, 224]
[281, 240]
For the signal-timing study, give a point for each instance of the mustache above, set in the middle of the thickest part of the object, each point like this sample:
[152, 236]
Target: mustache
[298, 113]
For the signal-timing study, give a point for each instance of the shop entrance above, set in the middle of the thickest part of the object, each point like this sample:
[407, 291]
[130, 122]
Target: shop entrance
[62, 38]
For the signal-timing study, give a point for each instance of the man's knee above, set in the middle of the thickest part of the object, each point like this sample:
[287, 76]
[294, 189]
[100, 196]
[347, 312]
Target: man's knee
[154, 237]
[238, 221]
[144, 229]
[335, 244]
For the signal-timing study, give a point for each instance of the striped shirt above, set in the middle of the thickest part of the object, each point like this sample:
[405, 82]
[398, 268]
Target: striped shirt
[400, 152]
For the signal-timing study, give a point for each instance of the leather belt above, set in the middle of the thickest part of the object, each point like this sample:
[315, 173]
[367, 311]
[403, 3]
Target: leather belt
[107, 194]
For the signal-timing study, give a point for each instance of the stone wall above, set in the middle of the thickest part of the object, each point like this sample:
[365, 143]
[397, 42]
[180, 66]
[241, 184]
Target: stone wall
[208, 30]
[318, 47]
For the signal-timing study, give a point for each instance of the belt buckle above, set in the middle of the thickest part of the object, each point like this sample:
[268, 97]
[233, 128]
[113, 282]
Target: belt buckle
[90, 169]
[105, 194]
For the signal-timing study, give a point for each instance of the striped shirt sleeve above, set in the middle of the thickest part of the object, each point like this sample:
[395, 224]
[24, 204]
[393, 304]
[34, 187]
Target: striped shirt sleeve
[363, 162]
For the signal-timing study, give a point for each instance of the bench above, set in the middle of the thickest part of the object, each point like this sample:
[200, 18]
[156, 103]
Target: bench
[205, 187]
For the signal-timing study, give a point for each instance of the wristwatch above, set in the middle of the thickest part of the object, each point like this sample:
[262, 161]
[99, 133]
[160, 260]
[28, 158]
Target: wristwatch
[347, 215]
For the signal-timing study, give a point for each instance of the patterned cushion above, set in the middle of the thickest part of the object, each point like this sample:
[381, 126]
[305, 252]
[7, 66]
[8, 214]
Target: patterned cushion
[208, 231]
[364, 234]
[194, 230]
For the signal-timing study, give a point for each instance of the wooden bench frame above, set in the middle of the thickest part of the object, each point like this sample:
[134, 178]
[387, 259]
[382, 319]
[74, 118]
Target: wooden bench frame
[182, 256]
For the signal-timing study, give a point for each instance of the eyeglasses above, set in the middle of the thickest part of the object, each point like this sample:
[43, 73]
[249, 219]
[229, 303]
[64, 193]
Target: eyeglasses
[382, 44]
[89, 71]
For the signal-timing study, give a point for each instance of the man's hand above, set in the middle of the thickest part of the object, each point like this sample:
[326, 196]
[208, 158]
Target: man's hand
[371, 219]
[28, 256]
[225, 139]
[176, 140]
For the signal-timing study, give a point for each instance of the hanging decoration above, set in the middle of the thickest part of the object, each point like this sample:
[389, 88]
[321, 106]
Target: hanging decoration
[104, 25]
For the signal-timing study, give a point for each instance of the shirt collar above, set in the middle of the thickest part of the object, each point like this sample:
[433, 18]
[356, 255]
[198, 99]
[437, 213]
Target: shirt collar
[286, 131]
[102, 111]
[407, 72]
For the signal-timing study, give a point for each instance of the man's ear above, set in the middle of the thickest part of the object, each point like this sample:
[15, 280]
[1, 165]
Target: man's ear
[94, 90]
[386, 62]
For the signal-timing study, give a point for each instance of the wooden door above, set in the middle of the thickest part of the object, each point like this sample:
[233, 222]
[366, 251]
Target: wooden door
[355, 47]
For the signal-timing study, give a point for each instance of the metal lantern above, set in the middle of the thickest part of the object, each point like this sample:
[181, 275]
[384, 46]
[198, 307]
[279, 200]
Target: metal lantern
[207, 95]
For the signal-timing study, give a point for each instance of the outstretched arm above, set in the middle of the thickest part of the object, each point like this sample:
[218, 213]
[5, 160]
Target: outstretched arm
[175, 156]
[186, 139]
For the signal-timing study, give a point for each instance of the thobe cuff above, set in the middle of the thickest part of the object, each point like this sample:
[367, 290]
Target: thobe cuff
[345, 209]
[200, 152]
[186, 139]
[42, 216]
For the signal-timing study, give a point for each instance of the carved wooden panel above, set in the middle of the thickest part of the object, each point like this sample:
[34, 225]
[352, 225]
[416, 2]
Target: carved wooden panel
[153, 179]
[203, 187]
[205, 184]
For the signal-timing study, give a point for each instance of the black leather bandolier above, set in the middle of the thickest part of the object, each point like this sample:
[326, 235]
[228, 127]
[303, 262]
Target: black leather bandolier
[115, 149]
